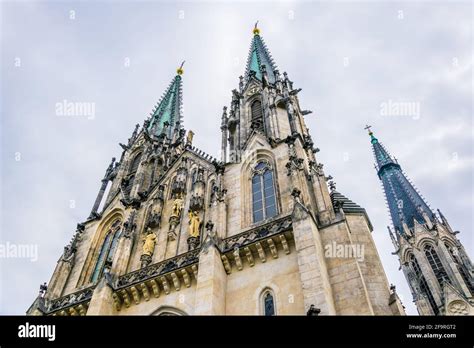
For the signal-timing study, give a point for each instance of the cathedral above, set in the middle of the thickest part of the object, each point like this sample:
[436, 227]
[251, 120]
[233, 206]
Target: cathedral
[433, 260]
[257, 231]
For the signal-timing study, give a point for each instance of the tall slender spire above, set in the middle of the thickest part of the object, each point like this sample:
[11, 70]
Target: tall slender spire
[168, 111]
[259, 56]
[404, 202]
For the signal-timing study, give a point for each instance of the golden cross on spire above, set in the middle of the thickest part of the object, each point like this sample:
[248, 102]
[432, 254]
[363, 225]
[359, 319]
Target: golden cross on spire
[368, 129]
[256, 31]
[180, 70]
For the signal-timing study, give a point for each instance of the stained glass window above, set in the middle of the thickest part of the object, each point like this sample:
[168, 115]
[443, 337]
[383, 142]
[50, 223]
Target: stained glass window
[436, 264]
[269, 304]
[464, 273]
[263, 193]
[423, 284]
[107, 251]
[113, 246]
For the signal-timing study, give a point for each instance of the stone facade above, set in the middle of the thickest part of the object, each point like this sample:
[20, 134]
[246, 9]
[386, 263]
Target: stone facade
[257, 232]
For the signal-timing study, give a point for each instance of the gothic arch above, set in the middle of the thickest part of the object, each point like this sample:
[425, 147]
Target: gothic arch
[148, 212]
[102, 229]
[149, 175]
[194, 171]
[246, 183]
[280, 103]
[168, 310]
[268, 303]
[192, 177]
[424, 241]
[423, 285]
[257, 118]
[260, 294]
[211, 182]
[437, 266]
[171, 180]
[257, 97]
[449, 242]
[405, 256]
[135, 160]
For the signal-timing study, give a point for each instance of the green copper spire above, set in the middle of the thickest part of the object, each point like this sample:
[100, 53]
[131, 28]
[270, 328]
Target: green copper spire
[258, 56]
[168, 111]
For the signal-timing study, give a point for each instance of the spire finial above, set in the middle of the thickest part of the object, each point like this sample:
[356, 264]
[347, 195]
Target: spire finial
[373, 139]
[256, 31]
[367, 127]
[180, 70]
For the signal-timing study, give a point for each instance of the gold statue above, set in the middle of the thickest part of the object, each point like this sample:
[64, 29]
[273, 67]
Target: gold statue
[194, 222]
[149, 243]
[177, 207]
[189, 139]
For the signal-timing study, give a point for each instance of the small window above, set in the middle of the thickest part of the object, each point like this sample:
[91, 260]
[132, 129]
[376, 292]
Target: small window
[257, 115]
[131, 174]
[268, 304]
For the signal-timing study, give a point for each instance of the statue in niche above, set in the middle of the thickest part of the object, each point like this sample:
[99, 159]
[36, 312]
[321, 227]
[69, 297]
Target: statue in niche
[194, 224]
[177, 207]
[149, 242]
[189, 138]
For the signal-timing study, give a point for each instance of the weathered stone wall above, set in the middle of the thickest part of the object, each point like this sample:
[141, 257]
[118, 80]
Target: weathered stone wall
[244, 288]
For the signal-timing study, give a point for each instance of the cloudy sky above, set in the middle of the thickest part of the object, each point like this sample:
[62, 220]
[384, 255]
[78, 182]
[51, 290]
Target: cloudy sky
[348, 57]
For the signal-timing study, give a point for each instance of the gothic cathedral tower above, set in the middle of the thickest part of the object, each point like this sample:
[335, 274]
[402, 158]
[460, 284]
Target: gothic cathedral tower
[435, 264]
[257, 232]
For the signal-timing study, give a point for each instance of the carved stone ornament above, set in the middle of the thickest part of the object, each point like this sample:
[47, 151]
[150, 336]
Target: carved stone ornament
[193, 243]
[458, 307]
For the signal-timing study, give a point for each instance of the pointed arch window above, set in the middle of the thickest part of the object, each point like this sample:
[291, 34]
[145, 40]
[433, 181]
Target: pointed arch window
[107, 250]
[436, 264]
[462, 270]
[194, 177]
[268, 303]
[423, 284]
[131, 173]
[212, 192]
[129, 184]
[256, 112]
[135, 163]
[263, 192]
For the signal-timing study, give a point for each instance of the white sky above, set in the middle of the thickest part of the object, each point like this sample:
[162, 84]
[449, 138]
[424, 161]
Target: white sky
[348, 57]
